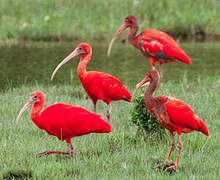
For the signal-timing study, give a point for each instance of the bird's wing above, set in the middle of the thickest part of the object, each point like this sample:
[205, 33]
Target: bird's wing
[107, 86]
[66, 121]
[181, 114]
[113, 88]
[157, 44]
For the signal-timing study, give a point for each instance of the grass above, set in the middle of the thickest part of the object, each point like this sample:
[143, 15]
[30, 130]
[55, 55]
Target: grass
[67, 19]
[120, 155]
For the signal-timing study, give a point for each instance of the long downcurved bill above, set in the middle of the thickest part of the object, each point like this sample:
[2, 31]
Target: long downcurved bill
[70, 56]
[25, 107]
[144, 81]
[120, 30]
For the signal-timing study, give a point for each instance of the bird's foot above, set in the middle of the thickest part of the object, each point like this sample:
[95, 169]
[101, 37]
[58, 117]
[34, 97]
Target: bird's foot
[40, 154]
[47, 152]
[108, 117]
[168, 163]
[171, 168]
[167, 167]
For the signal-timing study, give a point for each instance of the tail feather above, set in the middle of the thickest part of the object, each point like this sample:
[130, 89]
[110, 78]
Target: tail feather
[106, 127]
[129, 99]
[184, 58]
[203, 128]
[201, 125]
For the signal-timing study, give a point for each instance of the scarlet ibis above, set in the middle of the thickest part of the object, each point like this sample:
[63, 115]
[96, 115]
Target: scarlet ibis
[98, 85]
[173, 114]
[154, 44]
[63, 121]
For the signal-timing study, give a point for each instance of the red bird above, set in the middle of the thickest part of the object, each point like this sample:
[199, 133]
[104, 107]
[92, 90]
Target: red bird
[63, 121]
[98, 85]
[173, 114]
[154, 44]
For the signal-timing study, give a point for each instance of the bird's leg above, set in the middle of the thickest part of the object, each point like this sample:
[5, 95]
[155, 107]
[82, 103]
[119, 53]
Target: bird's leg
[171, 149]
[153, 63]
[178, 153]
[175, 167]
[161, 72]
[47, 152]
[108, 112]
[94, 108]
[70, 148]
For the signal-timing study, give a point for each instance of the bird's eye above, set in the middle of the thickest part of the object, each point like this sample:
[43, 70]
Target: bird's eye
[80, 48]
[35, 97]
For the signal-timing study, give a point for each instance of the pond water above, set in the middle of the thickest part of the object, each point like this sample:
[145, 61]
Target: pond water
[31, 62]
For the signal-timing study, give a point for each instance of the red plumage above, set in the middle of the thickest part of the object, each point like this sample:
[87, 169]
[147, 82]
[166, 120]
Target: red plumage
[105, 87]
[64, 120]
[98, 85]
[181, 117]
[154, 44]
[173, 114]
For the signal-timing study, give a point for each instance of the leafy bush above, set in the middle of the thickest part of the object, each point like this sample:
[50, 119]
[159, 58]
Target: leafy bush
[143, 119]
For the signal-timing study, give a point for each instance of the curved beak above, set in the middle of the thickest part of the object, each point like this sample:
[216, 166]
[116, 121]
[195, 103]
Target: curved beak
[144, 81]
[69, 57]
[25, 107]
[120, 30]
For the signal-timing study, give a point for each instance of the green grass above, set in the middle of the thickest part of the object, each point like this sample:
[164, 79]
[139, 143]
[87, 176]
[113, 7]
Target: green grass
[119, 155]
[98, 19]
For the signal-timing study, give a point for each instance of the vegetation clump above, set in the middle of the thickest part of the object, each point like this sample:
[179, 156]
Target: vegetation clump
[141, 117]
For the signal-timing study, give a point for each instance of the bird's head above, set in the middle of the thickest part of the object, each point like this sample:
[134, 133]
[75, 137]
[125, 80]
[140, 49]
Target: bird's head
[152, 75]
[81, 49]
[35, 98]
[129, 21]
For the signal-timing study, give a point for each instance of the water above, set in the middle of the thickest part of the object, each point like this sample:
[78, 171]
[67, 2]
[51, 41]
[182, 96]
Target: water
[31, 62]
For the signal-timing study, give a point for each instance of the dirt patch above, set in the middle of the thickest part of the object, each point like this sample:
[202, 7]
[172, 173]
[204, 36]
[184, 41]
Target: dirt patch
[161, 167]
[18, 175]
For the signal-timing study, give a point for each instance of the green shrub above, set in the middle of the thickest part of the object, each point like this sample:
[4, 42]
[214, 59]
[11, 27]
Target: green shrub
[143, 119]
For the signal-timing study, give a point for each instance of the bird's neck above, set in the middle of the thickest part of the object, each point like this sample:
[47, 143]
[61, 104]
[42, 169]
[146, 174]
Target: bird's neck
[81, 69]
[35, 112]
[148, 95]
[132, 35]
